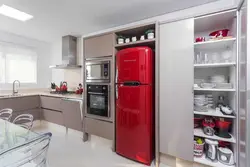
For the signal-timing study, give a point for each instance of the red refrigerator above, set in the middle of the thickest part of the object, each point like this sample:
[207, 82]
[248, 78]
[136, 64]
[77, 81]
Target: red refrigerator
[134, 104]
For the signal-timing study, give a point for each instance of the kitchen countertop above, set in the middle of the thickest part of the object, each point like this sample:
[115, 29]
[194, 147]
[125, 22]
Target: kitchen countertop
[71, 96]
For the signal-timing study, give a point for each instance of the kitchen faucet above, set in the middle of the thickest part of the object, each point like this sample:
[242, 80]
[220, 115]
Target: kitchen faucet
[15, 91]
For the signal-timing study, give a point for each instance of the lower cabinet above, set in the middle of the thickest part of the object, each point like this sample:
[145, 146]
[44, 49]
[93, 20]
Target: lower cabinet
[72, 115]
[35, 112]
[53, 116]
[99, 128]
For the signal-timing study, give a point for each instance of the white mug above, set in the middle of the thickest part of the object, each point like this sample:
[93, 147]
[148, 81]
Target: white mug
[142, 37]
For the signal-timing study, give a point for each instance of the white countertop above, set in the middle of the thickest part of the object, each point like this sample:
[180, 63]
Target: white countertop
[71, 96]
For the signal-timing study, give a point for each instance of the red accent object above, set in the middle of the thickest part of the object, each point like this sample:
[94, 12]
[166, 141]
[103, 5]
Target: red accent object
[134, 104]
[135, 64]
[197, 122]
[219, 33]
[222, 124]
[211, 124]
[200, 39]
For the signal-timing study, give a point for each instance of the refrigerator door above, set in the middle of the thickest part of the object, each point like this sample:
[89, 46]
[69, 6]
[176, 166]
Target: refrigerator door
[134, 123]
[135, 64]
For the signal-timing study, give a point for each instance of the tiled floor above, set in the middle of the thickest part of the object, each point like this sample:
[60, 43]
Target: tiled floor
[70, 151]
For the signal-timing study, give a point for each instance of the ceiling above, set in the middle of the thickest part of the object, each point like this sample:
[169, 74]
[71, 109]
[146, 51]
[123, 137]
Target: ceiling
[55, 18]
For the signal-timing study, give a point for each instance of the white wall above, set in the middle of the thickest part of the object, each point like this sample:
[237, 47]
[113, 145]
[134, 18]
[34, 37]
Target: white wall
[44, 53]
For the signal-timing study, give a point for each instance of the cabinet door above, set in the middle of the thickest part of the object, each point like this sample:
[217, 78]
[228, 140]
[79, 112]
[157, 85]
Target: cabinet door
[99, 128]
[52, 103]
[99, 46]
[72, 115]
[176, 89]
[20, 103]
[52, 116]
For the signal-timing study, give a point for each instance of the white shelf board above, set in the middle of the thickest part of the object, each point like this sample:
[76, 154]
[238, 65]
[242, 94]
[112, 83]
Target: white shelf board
[146, 41]
[213, 112]
[214, 65]
[199, 132]
[203, 160]
[214, 89]
[214, 44]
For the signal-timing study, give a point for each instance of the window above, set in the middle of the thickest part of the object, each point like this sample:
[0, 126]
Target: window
[17, 63]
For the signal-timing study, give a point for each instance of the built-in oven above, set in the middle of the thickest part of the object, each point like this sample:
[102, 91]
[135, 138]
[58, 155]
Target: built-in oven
[98, 101]
[97, 71]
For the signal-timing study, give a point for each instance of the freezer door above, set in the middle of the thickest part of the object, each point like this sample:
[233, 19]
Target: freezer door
[135, 64]
[134, 123]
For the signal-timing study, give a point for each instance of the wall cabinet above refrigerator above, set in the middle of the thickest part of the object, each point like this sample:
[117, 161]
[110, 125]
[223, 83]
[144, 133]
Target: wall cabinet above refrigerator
[98, 46]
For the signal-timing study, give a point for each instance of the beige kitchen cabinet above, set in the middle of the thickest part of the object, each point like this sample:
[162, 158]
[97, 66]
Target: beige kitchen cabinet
[20, 103]
[72, 116]
[51, 103]
[99, 128]
[53, 116]
[99, 46]
[36, 112]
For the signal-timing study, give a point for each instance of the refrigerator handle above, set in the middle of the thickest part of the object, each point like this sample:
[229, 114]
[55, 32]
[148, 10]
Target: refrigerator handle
[116, 91]
[116, 75]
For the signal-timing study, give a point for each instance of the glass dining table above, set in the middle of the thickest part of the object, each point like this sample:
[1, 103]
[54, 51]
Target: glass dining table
[14, 138]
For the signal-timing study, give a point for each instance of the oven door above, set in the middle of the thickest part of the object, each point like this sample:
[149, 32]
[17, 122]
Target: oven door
[97, 71]
[98, 104]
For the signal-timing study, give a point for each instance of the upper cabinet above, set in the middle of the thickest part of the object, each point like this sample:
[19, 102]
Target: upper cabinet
[98, 46]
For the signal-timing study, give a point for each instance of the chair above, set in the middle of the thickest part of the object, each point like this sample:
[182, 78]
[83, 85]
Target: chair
[30, 154]
[24, 120]
[6, 114]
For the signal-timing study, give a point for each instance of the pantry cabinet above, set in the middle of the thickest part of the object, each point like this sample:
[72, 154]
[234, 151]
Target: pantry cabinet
[176, 89]
[99, 46]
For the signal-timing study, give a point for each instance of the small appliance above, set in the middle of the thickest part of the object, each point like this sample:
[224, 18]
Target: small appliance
[225, 156]
[222, 128]
[98, 70]
[211, 149]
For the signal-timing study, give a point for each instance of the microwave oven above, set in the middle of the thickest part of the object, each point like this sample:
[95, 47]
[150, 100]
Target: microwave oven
[98, 71]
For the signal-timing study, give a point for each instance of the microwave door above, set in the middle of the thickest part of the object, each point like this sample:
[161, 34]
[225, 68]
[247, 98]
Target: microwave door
[94, 71]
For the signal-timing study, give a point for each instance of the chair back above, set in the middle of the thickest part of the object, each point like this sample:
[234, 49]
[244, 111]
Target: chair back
[24, 120]
[30, 154]
[6, 114]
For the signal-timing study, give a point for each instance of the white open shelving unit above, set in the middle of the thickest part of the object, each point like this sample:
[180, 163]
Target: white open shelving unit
[203, 27]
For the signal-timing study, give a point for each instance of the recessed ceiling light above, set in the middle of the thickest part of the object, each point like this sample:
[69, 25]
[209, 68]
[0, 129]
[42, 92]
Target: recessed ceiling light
[14, 13]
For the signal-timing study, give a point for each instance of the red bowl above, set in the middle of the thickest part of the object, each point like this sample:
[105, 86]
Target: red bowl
[219, 33]
[200, 39]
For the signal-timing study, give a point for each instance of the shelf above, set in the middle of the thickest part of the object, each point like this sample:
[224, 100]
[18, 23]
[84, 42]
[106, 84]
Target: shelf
[199, 132]
[213, 112]
[144, 42]
[203, 160]
[214, 89]
[214, 65]
[215, 44]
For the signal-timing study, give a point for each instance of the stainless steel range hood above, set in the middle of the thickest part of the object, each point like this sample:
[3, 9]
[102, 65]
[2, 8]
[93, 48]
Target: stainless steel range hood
[69, 53]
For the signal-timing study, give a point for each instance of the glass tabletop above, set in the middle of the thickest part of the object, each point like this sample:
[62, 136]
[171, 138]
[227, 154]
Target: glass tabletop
[12, 135]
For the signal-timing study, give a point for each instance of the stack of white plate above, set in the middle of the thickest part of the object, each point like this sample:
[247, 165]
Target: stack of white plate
[200, 103]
